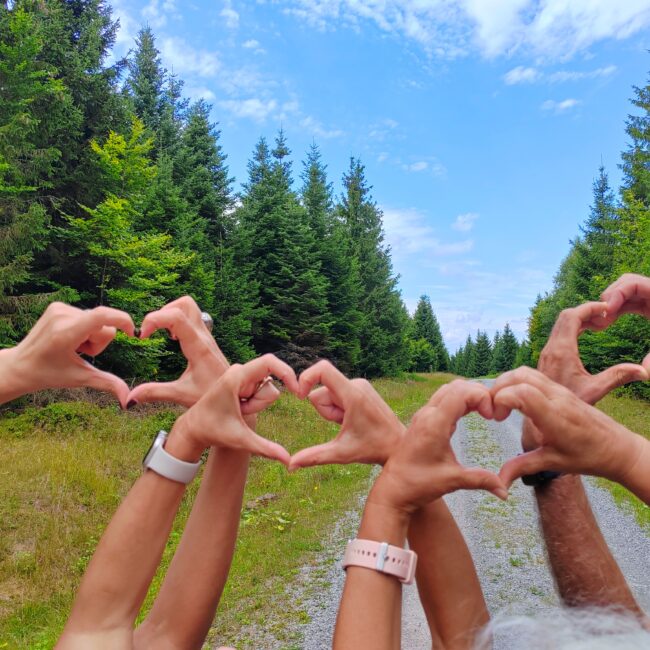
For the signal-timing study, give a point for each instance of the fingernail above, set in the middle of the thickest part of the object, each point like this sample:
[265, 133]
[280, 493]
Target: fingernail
[502, 494]
[131, 403]
[136, 332]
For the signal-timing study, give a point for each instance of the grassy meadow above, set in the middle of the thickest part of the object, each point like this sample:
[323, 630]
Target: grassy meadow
[67, 465]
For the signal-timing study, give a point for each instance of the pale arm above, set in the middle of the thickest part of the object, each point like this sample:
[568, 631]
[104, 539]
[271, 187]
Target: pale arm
[449, 588]
[186, 604]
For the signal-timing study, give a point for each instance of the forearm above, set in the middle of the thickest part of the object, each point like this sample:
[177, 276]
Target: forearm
[637, 479]
[449, 588]
[585, 571]
[119, 574]
[367, 614]
[187, 601]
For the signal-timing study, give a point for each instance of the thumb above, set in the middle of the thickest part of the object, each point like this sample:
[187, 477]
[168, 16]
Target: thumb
[324, 454]
[262, 447]
[529, 463]
[105, 381]
[619, 375]
[260, 400]
[477, 478]
[158, 392]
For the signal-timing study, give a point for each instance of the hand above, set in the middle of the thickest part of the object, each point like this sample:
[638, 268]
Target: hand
[48, 357]
[369, 428]
[560, 358]
[217, 419]
[423, 467]
[206, 362]
[570, 435]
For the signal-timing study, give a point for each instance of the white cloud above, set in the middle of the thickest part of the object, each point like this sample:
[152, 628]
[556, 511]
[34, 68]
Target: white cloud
[465, 222]
[408, 232]
[156, 12]
[200, 92]
[559, 107]
[419, 166]
[315, 128]
[382, 157]
[184, 59]
[254, 45]
[555, 29]
[229, 15]
[521, 75]
[254, 108]
[128, 25]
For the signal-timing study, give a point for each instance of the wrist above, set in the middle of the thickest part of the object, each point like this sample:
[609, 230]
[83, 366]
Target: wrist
[182, 444]
[383, 522]
[14, 380]
[635, 455]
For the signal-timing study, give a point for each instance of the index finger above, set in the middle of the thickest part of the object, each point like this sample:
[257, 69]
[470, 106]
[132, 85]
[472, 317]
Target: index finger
[95, 319]
[258, 369]
[574, 321]
[627, 287]
[461, 397]
[323, 372]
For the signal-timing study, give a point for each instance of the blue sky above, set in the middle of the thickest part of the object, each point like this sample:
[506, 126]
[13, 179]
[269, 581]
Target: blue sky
[481, 123]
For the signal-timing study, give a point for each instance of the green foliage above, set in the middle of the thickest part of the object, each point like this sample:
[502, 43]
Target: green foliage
[423, 357]
[424, 325]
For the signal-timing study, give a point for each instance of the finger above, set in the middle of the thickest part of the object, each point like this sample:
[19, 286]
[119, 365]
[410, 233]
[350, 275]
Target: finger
[158, 392]
[525, 398]
[326, 374]
[176, 322]
[262, 447]
[322, 401]
[95, 319]
[97, 342]
[572, 322]
[260, 400]
[525, 375]
[461, 397]
[476, 478]
[628, 287]
[105, 381]
[531, 462]
[326, 454]
[188, 306]
[258, 369]
[619, 375]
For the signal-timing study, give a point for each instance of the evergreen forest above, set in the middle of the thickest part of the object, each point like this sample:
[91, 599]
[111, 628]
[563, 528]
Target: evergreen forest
[115, 190]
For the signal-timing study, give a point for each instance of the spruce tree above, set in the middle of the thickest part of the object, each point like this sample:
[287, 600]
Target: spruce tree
[338, 265]
[481, 357]
[385, 319]
[425, 326]
[292, 318]
[505, 351]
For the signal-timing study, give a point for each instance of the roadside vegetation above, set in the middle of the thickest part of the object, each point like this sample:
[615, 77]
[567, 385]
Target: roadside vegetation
[67, 465]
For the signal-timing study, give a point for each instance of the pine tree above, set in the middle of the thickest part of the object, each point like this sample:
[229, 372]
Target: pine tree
[385, 319]
[524, 356]
[25, 169]
[425, 326]
[337, 262]
[504, 351]
[481, 357]
[146, 80]
[466, 365]
[292, 318]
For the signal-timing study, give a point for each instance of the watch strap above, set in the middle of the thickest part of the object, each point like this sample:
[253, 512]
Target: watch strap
[381, 556]
[171, 467]
[540, 478]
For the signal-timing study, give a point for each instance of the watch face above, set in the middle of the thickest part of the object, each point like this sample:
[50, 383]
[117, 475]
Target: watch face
[157, 442]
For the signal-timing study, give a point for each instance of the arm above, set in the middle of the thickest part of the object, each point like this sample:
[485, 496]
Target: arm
[186, 604]
[446, 577]
[585, 571]
[121, 570]
[188, 598]
[420, 470]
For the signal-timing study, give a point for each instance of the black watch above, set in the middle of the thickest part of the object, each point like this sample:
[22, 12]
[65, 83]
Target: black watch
[539, 479]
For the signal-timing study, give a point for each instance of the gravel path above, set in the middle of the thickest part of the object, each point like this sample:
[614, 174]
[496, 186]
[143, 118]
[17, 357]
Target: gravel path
[504, 540]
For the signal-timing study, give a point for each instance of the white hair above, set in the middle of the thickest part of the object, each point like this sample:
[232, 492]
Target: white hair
[588, 628]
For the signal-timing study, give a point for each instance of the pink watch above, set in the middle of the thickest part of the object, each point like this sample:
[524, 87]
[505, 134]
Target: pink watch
[381, 556]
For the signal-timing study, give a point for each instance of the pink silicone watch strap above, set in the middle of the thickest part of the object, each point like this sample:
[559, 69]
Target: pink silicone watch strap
[383, 557]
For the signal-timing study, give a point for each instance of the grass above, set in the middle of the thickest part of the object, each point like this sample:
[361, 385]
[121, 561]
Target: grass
[67, 466]
[635, 415]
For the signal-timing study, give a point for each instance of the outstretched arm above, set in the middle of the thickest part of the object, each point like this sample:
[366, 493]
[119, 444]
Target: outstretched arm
[420, 470]
[121, 570]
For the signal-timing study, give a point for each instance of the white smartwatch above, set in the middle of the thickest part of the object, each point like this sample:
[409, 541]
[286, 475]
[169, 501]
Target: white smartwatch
[381, 556]
[158, 460]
